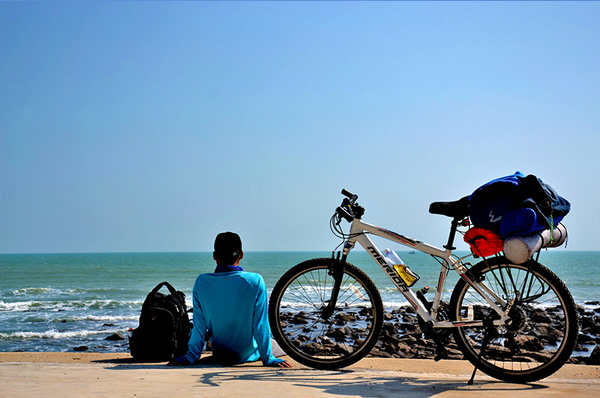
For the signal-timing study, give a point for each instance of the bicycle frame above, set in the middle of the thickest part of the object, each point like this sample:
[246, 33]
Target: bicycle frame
[358, 233]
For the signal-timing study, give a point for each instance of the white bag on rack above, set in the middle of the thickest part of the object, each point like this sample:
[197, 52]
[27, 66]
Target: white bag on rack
[519, 249]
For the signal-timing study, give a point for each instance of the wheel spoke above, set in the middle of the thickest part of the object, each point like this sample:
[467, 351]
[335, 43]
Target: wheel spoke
[542, 324]
[343, 338]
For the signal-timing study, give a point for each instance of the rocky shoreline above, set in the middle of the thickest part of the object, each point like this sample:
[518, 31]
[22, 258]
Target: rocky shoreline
[402, 337]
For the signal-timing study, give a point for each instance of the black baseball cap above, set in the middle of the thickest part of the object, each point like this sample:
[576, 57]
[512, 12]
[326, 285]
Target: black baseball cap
[228, 244]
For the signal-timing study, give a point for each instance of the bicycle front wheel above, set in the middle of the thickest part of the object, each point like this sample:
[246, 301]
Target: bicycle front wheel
[305, 333]
[542, 326]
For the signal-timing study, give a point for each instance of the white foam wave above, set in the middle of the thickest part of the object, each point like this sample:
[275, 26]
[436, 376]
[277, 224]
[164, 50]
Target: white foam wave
[395, 304]
[50, 334]
[66, 305]
[101, 318]
[30, 290]
[285, 304]
[38, 290]
[16, 306]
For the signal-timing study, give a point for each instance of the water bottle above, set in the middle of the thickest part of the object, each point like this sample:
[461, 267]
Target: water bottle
[409, 277]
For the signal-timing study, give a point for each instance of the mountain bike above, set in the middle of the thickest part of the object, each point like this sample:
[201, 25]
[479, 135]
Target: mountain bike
[514, 322]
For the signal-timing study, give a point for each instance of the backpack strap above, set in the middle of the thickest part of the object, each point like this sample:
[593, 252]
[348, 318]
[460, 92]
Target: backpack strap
[167, 284]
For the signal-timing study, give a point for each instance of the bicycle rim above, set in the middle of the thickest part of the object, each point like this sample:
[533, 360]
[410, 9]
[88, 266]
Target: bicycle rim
[296, 315]
[542, 329]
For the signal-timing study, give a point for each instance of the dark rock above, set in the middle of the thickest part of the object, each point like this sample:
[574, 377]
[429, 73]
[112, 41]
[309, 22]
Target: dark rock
[425, 352]
[407, 327]
[403, 348]
[408, 339]
[389, 329]
[548, 334]
[303, 338]
[81, 348]
[594, 359]
[425, 342]
[339, 334]
[579, 347]
[380, 354]
[390, 339]
[344, 349]
[591, 324]
[314, 348]
[455, 354]
[299, 320]
[327, 342]
[585, 339]
[346, 317]
[410, 318]
[115, 337]
[540, 316]
[365, 312]
[108, 324]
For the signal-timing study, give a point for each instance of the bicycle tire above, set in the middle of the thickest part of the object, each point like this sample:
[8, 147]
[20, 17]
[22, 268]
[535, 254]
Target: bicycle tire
[535, 342]
[295, 309]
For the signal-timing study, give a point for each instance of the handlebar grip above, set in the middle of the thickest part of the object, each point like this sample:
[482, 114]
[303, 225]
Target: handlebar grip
[349, 194]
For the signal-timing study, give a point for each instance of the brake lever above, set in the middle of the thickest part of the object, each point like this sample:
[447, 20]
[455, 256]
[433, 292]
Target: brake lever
[347, 215]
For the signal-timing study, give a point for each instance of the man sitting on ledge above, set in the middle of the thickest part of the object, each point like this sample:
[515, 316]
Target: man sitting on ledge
[230, 305]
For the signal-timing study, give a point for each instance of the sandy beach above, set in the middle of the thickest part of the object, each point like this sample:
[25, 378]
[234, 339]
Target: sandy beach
[117, 375]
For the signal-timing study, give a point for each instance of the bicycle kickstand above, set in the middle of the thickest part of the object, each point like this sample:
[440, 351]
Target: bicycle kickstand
[489, 335]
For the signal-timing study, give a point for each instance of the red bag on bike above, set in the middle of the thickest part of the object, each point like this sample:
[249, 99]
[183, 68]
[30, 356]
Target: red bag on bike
[484, 242]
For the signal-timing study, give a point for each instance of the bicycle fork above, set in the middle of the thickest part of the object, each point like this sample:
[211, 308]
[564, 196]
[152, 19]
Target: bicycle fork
[336, 270]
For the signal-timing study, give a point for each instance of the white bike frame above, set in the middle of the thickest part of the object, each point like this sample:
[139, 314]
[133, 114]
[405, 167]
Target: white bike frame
[358, 233]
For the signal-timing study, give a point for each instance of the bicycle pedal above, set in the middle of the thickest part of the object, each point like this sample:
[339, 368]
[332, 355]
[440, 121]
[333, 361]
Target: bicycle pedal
[442, 354]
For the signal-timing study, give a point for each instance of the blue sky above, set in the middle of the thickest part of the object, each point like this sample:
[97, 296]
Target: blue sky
[152, 126]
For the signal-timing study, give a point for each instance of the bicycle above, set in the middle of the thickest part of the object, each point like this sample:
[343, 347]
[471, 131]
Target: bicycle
[326, 313]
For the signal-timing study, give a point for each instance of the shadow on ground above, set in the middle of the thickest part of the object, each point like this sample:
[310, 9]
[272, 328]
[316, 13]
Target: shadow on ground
[359, 383]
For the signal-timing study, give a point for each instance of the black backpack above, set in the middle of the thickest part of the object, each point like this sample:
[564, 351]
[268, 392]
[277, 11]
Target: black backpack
[164, 327]
[517, 205]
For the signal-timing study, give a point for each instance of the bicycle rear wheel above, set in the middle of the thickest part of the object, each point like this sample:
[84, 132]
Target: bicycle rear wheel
[313, 339]
[542, 328]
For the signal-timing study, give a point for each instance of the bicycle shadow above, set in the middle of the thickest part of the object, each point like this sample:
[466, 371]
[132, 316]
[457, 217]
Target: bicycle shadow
[362, 383]
[350, 382]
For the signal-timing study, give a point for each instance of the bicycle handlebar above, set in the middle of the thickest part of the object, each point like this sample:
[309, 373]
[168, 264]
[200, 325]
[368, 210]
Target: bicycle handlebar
[349, 195]
[345, 214]
[349, 208]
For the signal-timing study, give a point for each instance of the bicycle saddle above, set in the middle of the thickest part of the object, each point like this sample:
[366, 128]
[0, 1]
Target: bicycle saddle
[457, 209]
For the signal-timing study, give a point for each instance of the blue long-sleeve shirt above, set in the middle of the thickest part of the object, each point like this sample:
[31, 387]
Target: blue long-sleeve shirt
[232, 306]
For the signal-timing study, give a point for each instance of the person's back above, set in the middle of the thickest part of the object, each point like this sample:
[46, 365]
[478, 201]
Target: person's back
[231, 306]
[234, 312]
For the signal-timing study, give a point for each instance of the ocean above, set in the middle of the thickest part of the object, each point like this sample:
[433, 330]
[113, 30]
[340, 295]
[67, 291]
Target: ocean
[56, 302]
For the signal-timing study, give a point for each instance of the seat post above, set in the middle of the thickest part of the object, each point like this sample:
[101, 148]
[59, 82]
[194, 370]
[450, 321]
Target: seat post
[453, 228]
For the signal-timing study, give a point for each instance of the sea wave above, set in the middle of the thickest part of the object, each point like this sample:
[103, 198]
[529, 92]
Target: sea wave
[33, 305]
[96, 318]
[34, 291]
[50, 334]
